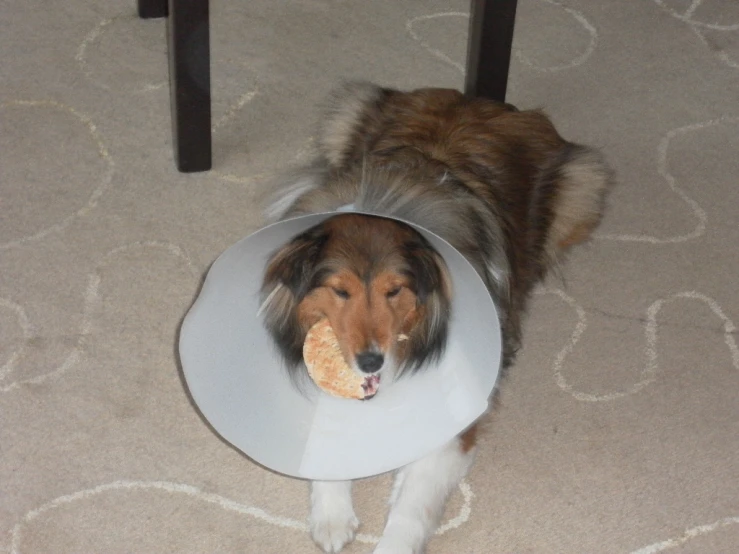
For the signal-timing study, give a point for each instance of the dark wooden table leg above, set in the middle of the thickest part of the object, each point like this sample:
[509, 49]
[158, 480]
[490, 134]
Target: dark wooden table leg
[151, 9]
[489, 47]
[188, 43]
[189, 75]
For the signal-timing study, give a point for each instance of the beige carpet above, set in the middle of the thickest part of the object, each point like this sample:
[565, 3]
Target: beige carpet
[618, 429]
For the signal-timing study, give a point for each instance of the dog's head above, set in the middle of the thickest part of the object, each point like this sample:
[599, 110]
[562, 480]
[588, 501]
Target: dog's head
[382, 286]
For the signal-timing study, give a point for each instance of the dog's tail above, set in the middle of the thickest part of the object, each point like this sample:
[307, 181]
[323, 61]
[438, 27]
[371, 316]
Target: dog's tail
[582, 181]
[348, 108]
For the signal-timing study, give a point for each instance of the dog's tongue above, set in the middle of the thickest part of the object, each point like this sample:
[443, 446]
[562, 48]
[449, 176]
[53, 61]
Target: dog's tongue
[370, 386]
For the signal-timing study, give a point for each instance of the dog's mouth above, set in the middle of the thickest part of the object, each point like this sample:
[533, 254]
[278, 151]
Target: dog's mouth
[370, 386]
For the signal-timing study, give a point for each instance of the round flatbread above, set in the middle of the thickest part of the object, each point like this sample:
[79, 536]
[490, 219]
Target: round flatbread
[327, 367]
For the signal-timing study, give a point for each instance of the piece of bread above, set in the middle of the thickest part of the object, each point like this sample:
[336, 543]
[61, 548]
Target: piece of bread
[327, 367]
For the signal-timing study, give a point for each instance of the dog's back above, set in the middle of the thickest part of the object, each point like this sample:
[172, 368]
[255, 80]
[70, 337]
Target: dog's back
[546, 193]
[510, 158]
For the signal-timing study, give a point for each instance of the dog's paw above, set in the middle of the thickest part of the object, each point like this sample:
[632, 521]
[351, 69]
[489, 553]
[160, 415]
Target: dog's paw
[397, 544]
[332, 529]
[388, 548]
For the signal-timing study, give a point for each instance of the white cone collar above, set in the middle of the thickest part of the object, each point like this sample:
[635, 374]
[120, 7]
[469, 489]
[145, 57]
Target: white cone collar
[238, 381]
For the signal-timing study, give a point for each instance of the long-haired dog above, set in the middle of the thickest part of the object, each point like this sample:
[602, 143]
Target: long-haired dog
[500, 185]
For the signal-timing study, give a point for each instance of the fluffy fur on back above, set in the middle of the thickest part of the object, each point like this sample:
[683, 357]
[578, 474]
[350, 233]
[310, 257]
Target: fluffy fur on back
[500, 185]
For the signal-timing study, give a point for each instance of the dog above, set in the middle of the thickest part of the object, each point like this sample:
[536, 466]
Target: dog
[500, 185]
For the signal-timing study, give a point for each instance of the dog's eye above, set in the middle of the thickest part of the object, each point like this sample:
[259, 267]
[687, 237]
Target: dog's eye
[392, 293]
[341, 293]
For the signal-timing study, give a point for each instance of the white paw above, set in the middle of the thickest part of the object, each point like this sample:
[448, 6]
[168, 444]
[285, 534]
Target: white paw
[394, 546]
[331, 529]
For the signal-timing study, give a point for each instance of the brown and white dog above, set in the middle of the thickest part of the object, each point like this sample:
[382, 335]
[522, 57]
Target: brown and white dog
[500, 185]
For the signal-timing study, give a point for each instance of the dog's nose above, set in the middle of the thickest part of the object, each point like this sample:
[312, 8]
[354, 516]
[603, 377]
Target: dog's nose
[369, 362]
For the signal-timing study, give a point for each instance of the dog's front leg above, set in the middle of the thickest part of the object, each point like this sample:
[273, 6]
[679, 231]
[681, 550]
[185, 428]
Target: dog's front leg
[332, 519]
[419, 496]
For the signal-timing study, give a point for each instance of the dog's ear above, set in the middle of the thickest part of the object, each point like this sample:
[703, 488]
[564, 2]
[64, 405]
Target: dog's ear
[293, 265]
[287, 279]
[433, 288]
[429, 271]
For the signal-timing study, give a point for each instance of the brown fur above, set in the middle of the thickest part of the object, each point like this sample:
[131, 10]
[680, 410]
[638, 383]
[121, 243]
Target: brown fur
[468, 439]
[373, 278]
[501, 185]
[381, 303]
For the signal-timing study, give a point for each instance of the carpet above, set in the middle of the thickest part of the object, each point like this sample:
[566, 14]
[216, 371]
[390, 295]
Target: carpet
[617, 431]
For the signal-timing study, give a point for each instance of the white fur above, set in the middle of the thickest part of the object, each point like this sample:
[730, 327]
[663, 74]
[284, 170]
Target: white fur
[289, 193]
[332, 519]
[342, 116]
[417, 503]
[419, 496]
[269, 299]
